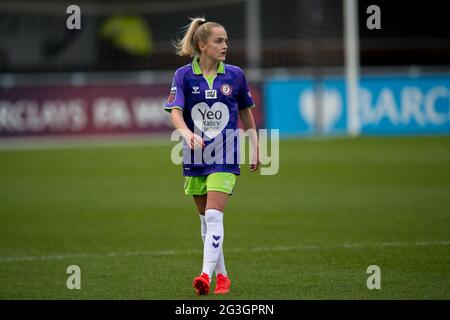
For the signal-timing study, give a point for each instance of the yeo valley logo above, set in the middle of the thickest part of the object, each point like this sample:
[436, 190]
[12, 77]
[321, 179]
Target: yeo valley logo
[210, 120]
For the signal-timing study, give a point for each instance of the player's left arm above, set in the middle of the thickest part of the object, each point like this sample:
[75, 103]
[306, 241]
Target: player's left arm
[246, 117]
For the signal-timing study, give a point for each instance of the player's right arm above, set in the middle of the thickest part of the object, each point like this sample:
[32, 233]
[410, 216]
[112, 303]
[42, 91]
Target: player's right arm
[194, 141]
[175, 105]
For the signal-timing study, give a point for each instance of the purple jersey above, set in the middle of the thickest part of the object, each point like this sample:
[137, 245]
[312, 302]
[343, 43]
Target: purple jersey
[210, 109]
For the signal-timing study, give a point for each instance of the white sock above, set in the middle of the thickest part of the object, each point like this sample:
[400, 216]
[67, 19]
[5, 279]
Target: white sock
[220, 266]
[213, 240]
[202, 227]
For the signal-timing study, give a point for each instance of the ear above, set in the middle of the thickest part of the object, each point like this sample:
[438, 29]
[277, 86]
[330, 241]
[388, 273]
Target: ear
[201, 45]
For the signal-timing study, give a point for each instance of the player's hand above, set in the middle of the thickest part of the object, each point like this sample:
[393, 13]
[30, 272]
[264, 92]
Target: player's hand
[255, 161]
[194, 141]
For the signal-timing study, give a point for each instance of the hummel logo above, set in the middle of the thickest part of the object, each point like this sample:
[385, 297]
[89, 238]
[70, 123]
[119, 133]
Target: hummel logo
[195, 90]
[216, 237]
[215, 245]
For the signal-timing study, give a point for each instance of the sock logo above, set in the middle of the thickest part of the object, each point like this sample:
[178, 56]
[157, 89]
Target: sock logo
[215, 244]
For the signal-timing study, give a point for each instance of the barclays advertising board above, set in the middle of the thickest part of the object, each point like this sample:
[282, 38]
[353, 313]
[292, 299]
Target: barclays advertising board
[386, 105]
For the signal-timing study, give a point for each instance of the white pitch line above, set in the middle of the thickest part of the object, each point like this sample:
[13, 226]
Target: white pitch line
[68, 143]
[258, 249]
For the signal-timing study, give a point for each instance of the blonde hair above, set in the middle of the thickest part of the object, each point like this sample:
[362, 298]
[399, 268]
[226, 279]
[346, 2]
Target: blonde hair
[198, 30]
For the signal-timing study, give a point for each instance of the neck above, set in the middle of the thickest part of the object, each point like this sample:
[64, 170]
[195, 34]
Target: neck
[208, 65]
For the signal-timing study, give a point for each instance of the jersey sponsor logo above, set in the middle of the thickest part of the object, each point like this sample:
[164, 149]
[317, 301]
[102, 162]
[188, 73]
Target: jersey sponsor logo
[210, 94]
[210, 120]
[226, 89]
[172, 95]
[195, 90]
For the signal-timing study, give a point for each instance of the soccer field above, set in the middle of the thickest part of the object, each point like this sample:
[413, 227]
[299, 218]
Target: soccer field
[309, 232]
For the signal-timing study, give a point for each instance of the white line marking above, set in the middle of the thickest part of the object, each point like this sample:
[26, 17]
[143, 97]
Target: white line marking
[260, 249]
[65, 143]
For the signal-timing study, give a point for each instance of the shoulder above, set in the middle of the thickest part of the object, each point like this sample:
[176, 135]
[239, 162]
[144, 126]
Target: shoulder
[235, 70]
[181, 72]
[235, 73]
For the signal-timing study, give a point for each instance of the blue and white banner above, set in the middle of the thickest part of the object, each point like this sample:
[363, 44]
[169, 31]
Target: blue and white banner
[386, 105]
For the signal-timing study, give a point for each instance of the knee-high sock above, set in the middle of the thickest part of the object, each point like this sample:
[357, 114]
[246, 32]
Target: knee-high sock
[213, 240]
[220, 266]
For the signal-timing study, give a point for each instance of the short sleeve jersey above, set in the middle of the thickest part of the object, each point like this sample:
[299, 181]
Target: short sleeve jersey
[210, 109]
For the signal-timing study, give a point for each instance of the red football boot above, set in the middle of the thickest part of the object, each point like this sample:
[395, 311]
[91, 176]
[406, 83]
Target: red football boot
[223, 284]
[201, 284]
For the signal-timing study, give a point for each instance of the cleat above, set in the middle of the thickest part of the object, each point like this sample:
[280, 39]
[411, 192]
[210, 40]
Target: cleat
[201, 284]
[223, 284]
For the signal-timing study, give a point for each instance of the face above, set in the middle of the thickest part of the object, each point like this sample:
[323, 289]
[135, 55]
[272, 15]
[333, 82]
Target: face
[217, 45]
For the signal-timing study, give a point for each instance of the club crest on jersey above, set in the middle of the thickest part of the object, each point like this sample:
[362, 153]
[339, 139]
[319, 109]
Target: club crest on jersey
[210, 94]
[172, 95]
[195, 90]
[226, 89]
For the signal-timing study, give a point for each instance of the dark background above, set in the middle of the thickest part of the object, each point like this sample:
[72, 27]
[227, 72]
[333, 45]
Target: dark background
[294, 34]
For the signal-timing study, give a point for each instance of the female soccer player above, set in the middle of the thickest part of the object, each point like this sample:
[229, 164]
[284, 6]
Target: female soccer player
[205, 100]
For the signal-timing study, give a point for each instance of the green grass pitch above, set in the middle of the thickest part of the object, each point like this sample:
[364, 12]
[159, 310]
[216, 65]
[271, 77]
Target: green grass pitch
[309, 232]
